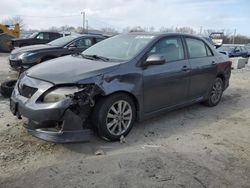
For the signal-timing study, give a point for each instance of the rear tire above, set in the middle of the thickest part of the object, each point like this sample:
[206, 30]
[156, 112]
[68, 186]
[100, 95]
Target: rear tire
[114, 116]
[7, 88]
[215, 93]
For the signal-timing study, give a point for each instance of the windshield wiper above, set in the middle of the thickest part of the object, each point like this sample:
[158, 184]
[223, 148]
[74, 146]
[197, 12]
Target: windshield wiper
[85, 56]
[98, 57]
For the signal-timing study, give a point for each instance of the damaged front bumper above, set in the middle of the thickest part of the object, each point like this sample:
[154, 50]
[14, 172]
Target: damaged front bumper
[60, 122]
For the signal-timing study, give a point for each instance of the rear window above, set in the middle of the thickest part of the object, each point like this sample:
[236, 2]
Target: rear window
[196, 48]
[209, 52]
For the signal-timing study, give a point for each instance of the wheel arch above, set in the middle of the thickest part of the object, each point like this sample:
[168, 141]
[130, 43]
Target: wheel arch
[131, 95]
[222, 76]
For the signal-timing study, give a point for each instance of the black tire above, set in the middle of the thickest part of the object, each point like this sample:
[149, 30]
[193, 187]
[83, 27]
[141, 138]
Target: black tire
[7, 88]
[216, 93]
[103, 108]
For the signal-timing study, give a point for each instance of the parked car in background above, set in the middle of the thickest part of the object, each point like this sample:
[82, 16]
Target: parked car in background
[217, 38]
[248, 49]
[209, 39]
[41, 37]
[234, 50]
[119, 80]
[26, 57]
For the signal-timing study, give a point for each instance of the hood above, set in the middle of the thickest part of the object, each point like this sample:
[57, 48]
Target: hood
[70, 69]
[33, 48]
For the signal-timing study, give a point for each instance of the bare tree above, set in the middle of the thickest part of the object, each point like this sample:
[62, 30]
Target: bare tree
[126, 29]
[187, 30]
[109, 30]
[166, 30]
[54, 28]
[149, 29]
[67, 28]
[14, 20]
[137, 29]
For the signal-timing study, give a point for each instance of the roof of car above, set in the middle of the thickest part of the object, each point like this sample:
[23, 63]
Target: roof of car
[84, 35]
[46, 32]
[162, 34]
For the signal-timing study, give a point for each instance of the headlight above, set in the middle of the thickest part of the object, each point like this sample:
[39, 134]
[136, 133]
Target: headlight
[60, 94]
[24, 55]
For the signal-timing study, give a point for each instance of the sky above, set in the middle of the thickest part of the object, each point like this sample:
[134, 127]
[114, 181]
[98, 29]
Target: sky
[225, 15]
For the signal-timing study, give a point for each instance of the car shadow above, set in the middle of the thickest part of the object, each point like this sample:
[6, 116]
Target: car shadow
[172, 123]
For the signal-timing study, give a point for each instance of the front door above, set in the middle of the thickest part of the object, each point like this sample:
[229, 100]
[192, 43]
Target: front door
[82, 44]
[42, 38]
[166, 85]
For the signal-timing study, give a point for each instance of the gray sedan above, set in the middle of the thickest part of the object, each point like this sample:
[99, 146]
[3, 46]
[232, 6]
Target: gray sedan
[119, 80]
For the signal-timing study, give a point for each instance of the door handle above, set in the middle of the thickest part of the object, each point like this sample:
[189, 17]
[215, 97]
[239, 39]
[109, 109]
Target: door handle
[213, 63]
[185, 68]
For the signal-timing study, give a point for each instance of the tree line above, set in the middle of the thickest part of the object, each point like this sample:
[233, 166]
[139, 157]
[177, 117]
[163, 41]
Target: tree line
[229, 37]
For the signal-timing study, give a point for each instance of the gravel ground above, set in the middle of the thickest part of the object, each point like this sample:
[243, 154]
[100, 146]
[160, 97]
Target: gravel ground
[193, 147]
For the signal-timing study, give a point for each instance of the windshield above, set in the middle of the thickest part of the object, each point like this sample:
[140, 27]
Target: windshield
[33, 35]
[120, 47]
[62, 41]
[226, 48]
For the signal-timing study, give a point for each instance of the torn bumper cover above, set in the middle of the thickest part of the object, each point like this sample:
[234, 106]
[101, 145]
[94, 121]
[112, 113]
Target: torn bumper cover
[64, 121]
[70, 131]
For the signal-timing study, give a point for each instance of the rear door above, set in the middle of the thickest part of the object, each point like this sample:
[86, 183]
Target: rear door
[53, 36]
[166, 85]
[244, 52]
[203, 67]
[237, 51]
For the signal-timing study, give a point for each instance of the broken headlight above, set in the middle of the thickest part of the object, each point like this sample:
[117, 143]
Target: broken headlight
[60, 94]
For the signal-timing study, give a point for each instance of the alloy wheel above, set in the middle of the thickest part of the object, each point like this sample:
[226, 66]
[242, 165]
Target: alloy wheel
[119, 117]
[216, 91]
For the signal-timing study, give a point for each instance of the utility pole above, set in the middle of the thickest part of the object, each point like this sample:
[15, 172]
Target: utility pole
[200, 30]
[83, 20]
[234, 35]
[87, 26]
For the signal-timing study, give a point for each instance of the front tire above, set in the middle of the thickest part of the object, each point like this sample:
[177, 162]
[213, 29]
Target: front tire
[215, 93]
[114, 116]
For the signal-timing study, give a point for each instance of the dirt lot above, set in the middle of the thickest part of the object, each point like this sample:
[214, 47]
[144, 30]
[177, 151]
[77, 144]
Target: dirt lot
[192, 147]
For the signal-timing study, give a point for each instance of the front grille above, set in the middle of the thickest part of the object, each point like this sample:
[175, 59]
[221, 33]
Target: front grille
[26, 91]
[15, 63]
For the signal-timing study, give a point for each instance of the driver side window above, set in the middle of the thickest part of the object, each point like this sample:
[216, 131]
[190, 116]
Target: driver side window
[83, 43]
[39, 36]
[237, 49]
[43, 36]
[171, 48]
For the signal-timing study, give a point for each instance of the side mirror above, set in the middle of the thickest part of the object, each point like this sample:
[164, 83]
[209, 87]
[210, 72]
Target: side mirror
[236, 51]
[155, 60]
